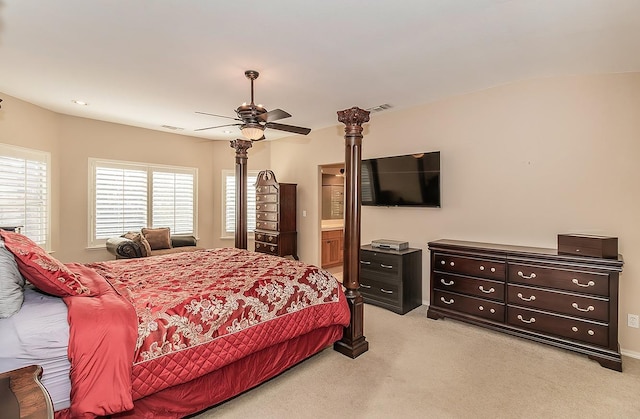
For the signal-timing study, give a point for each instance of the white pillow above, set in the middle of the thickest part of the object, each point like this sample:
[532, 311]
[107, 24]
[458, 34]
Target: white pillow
[11, 284]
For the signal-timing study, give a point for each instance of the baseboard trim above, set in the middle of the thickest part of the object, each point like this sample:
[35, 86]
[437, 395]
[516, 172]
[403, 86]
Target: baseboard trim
[625, 352]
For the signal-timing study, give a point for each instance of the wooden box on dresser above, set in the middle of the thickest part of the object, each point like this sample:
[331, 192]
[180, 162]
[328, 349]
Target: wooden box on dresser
[567, 301]
[391, 279]
[275, 231]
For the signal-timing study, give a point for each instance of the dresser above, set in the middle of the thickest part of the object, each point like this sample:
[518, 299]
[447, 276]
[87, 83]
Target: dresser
[275, 231]
[391, 279]
[563, 300]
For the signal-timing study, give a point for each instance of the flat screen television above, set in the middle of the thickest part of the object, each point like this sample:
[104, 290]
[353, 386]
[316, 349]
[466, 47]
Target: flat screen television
[412, 180]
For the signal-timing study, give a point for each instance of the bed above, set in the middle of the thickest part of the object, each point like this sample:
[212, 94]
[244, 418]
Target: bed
[169, 336]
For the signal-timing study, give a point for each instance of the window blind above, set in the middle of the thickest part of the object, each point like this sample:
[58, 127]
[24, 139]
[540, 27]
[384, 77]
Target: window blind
[24, 192]
[121, 201]
[173, 201]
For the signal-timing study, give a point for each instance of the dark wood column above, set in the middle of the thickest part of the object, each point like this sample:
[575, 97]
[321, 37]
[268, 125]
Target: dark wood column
[353, 342]
[241, 147]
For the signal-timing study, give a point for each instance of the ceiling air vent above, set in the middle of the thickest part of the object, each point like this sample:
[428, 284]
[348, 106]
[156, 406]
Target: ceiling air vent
[380, 108]
[172, 128]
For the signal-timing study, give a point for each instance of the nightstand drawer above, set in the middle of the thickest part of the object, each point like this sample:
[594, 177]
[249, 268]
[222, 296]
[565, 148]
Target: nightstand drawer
[483, 268]
[380, 291]
[380, 263]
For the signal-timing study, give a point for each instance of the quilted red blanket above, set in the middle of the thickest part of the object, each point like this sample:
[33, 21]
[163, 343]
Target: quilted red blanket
[195, 312]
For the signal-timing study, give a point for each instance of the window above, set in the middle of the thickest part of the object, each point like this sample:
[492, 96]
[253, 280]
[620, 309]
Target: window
[24, 192]
[229, 202]
[128, 196]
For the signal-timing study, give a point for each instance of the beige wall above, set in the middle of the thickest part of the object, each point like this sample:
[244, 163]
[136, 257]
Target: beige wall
[72, 141]
[520, 164]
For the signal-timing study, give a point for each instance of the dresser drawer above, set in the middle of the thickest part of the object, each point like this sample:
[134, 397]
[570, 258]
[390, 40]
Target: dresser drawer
[484, 268]
[572, 304]
[576, 329]
[266, 238]
[267, 207]
[266, 189]
[471, 305]
[466, 285]
[564, 279]
[266, 198]
[267, 248]
[379, 263]
[267, 225]
[380, 291]
[267, 216]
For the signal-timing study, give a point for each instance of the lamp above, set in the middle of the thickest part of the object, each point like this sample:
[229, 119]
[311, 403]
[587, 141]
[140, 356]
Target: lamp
[252, 130]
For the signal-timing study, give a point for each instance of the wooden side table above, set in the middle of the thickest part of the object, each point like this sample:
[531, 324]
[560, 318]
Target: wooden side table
[22, 395]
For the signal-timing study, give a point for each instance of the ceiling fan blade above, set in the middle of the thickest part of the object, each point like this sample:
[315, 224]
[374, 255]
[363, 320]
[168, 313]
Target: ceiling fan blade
[219, 116]
[288, 128]
[274, 115]
[217, 126]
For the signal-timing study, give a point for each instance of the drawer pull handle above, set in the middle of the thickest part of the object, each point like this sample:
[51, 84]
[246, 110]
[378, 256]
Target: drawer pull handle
[532, 298]
[364, 262]
[531, 320]
[493, 269]
[386, 291]
[445, 301]
[480, 308]
[447, 283]
[575, 329]
[481, 268]
[589, 284]
[520, 274]
[575, 305]
[452, 264]
[489, 291]
[365, 286]
[442, 262]
[493, 310]
[382, 265]
[591, 332]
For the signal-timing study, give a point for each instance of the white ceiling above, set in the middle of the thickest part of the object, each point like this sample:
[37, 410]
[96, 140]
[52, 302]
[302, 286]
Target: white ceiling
[150, 63]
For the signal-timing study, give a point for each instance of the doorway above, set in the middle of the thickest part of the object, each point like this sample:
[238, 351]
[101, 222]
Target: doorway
[332, 222]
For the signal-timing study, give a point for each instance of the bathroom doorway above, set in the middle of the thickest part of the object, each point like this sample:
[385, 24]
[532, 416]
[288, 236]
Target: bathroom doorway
[332, 223]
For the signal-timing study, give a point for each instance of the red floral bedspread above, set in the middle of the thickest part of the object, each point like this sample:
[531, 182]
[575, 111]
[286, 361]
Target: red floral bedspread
[198, 311]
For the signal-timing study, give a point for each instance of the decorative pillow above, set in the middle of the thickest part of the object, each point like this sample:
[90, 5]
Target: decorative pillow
[158, 238]
[11, 284]
[137, 238]
[43, 271]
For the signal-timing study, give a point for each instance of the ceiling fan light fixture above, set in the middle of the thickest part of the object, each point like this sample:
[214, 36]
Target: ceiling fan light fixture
[252, 131]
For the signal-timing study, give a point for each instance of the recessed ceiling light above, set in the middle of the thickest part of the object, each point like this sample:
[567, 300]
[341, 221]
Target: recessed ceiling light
[80, 102]
[227, 131]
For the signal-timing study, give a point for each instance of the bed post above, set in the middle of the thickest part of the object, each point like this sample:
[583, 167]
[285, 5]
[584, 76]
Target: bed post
[353, 342]
[241, 147]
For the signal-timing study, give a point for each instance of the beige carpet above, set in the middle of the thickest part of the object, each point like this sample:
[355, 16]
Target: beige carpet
[422, 368]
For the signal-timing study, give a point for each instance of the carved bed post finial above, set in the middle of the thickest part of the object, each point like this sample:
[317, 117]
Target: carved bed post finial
[241, 147]
[353, 342]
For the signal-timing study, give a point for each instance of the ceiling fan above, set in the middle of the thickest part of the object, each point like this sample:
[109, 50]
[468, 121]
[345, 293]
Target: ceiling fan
[254, 119]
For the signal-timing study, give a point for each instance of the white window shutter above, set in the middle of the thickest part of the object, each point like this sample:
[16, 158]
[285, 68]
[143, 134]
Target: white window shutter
[24, 192]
